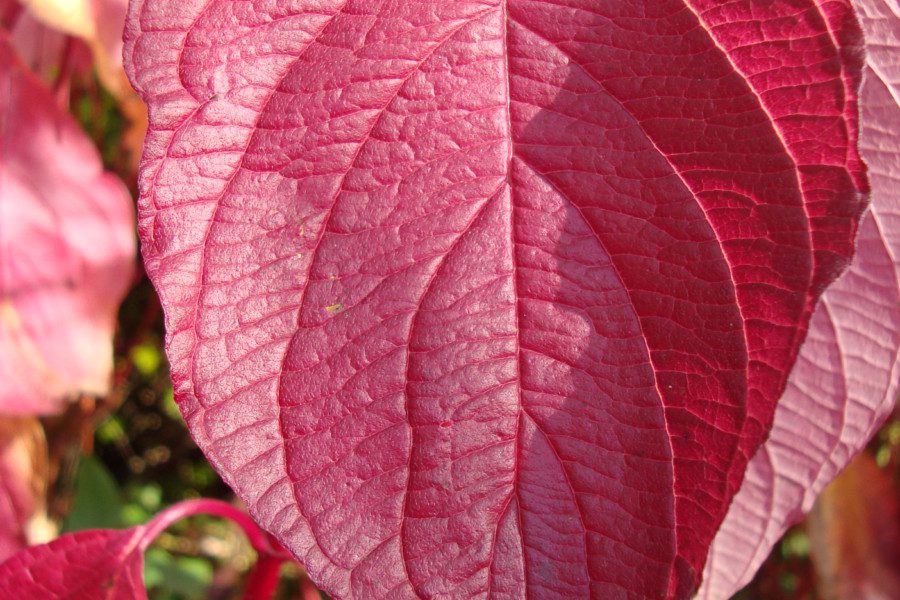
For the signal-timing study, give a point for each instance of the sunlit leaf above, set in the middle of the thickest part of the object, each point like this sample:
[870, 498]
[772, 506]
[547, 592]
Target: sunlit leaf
[492, 298]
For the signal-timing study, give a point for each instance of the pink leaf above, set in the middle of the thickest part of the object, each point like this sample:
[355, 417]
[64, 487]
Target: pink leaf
[845, 381]
[66, 250]
[38, 47]
[98, 23]
[492, 298]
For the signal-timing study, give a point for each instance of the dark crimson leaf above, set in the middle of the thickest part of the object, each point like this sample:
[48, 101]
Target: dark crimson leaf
[845, 381]
[485, 298]
[66, 250]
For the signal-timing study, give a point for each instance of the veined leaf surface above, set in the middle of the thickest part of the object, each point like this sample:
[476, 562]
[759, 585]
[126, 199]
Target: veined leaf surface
[845, 381]
[492, 298]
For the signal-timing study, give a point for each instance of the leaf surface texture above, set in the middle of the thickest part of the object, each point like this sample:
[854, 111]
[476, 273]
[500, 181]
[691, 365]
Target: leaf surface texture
[492, 299]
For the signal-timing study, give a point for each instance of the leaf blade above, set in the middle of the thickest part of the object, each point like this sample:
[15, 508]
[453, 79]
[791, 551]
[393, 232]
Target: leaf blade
[466, 131]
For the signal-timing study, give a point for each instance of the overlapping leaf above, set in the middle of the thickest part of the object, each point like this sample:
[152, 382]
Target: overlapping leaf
[845, 382]
[492, 297]
[66, 250]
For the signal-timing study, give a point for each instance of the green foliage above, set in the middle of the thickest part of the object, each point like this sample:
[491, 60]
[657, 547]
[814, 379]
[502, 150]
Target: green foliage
[98, 502]
[172, 577]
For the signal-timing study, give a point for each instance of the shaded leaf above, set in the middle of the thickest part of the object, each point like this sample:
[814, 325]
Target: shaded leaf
[98, 563]
[24, 474]
[98, 501]
[186, 576]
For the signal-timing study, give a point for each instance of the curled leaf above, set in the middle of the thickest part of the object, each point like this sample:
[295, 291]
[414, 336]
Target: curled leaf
[108, 563]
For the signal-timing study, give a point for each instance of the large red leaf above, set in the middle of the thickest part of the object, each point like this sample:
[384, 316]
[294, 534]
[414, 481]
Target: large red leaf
[66, 250]
[845, 381]
[492, 297]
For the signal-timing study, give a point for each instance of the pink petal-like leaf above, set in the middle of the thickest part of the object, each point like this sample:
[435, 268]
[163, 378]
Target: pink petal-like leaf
[492, 298]
[66, 250]
[38, 47]
[98, 23]
[846, 378]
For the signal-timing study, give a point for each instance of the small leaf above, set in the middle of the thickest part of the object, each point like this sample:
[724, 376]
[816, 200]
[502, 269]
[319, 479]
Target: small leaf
[186, 576]
[98, 501]
[108, 563]
[24, 474]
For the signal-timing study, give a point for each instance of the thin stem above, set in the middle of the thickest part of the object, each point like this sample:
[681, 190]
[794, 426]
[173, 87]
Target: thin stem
[263, 578]
[308, 590]
[260, 541]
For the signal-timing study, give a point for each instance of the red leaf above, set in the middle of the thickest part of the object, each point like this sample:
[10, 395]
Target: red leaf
[485, 297]
[846, 378]
[108, 563]
[66, 250]
[86, 565]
